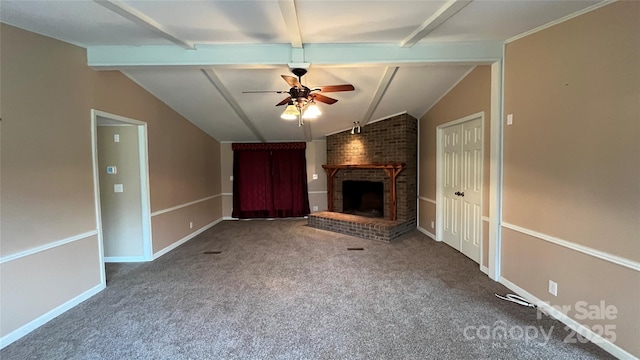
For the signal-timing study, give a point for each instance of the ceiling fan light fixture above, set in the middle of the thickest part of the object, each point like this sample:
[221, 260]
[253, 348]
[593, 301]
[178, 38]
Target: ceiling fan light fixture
[310, 113]
[290, 113]
[313, 109]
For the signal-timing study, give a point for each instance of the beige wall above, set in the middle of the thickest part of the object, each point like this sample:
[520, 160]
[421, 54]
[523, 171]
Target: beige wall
[316, 154]
[34, 285]
[169, 227]
[47, 192]
[470, 96]
[47, 180]
[121, 213]
[47, 173]
[571, 162]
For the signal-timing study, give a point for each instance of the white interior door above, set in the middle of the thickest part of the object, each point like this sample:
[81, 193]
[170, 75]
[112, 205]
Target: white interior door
[450, 185]
[471, 189]
[461, 187]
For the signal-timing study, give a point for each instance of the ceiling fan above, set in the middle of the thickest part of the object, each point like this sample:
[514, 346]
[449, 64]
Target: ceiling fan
[301, 102]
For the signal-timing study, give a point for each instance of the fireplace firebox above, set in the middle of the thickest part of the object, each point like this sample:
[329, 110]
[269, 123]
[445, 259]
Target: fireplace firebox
[363, 198]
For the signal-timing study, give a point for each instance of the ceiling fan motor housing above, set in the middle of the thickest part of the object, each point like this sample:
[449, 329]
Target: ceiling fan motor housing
[299, 93]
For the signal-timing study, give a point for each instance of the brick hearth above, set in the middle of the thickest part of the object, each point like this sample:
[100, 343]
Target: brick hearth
[364, 227]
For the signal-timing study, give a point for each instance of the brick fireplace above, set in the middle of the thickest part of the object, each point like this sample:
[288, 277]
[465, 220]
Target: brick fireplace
[362, 157]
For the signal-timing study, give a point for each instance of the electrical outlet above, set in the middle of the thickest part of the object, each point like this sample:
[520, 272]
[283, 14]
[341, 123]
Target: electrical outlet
[510, 119]
[190, 224]
[553, 288]
[315, 208]
[433, 224]
[315, 176]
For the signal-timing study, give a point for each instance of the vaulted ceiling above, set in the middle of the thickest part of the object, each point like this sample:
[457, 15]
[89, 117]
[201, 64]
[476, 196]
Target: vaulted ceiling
[199, 56]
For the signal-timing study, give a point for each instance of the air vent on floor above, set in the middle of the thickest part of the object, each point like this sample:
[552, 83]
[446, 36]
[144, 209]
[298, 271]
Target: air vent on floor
[212, 252]
[355, 248]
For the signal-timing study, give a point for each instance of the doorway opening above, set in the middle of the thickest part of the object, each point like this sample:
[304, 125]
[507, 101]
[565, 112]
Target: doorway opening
[121, 187]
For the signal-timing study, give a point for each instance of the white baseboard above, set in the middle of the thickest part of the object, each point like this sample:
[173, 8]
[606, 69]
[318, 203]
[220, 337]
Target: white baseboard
[43, 319]
[484, 269]
[229, 218]
[185, 239]
[426, 233]
[124, 259]
[583, 330]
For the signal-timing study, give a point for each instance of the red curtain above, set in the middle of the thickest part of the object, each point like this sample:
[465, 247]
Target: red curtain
[270, 180]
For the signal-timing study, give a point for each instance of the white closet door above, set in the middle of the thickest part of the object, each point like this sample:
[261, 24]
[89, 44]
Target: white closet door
[461, 151]
[451, 184]
[471, 189]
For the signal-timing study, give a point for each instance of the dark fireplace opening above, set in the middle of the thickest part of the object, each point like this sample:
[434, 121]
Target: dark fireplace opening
[363, 198]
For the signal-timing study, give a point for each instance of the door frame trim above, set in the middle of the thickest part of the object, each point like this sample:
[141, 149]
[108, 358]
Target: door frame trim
[440, 174]
[495, 169]
[144, 181]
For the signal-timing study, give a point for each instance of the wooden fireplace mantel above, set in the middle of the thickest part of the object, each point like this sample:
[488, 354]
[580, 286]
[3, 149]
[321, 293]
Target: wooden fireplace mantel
[391, 169]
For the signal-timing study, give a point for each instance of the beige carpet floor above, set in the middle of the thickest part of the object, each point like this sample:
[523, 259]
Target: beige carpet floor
[281, 290]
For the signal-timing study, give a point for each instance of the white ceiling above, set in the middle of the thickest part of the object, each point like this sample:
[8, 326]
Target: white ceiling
[199, 56]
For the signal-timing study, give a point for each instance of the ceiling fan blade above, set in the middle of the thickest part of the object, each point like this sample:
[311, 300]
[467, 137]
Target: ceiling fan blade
[292, 81]
[266, 91]
[284, 102]
[324, 99]
[335, 88]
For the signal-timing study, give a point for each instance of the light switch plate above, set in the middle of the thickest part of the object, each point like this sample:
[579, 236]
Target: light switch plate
[553, 288]
[509, 119]
[116, 137]
[118, 188]
[231, 178]
[315, 176]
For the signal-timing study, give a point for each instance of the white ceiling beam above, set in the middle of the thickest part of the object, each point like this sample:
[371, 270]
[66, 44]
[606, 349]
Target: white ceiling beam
[219, 85]
[438, 18]
[204, 55]
[290, 16]
[383, 85]
[140, 18]
[320, 54]
[391, 54]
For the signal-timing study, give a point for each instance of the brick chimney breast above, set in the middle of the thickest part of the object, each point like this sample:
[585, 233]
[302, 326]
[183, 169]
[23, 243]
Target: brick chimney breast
[392, 140]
